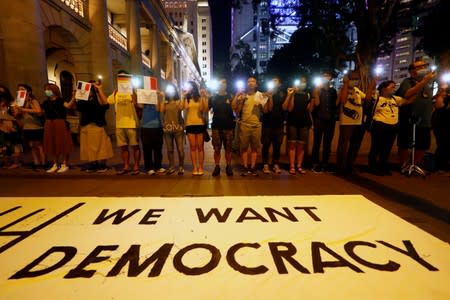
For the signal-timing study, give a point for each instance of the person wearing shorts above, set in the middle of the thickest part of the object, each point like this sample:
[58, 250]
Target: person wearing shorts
[127, 125]
[222, 127]
[298, 104]
[250, 105]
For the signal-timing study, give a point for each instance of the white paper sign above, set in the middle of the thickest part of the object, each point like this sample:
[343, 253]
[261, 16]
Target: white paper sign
[21, 95]
[147, 96]
[124, 84]
[83, 90]
[272, 247]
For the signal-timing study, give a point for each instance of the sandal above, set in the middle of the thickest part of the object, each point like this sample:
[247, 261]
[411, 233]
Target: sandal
[135, 172]
[300, 170]
[123, 172]
[292, 171]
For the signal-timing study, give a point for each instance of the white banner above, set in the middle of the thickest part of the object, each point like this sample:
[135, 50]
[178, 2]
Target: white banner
[289, 247]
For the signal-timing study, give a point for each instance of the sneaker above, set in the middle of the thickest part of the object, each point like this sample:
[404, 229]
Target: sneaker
[102, 169]
[64, 168]
[276, 169]
[181, 171]
[216, 171]
[170, 171]
[151, 172]
[254, 172]
[317, 169]
[161, 171]
[266, 169]
[53, 169]
[229, 171]
[92, 168]
[245, 171]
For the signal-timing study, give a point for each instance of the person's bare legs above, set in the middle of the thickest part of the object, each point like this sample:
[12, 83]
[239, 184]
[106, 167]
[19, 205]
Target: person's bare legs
[192, 148]
[200, 150]
[136, 157]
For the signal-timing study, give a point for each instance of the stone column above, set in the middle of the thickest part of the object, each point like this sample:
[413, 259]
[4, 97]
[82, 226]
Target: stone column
[101, 60]
[134, 35]
[156, 51]
[22, 50]
[100, 44]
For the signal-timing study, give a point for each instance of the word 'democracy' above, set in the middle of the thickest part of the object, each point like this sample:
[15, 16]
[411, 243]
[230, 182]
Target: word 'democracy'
[282, 253]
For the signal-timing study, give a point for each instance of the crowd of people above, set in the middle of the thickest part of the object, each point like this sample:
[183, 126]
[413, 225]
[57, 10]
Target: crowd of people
[249, 122]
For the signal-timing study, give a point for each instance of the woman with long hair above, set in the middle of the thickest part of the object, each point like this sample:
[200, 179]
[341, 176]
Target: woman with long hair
[195, 105]
[33, 128]
[173, 127]
[57, 139]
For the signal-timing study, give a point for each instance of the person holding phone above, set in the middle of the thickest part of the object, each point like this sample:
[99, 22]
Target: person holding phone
[195, 103]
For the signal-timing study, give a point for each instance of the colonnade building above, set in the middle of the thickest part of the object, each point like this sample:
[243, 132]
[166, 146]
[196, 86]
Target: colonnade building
[63, 41]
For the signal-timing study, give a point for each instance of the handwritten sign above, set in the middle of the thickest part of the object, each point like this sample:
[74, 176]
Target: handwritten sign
[319, 247]
[146, 96]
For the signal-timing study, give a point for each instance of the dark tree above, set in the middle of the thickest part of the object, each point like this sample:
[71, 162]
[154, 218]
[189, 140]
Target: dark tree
[433, 28]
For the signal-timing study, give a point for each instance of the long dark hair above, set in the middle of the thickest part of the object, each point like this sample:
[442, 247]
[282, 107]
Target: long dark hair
[176, 94]
[194, 93]
[93, 90]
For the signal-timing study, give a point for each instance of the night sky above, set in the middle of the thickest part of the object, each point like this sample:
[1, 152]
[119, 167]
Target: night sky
[220, 14]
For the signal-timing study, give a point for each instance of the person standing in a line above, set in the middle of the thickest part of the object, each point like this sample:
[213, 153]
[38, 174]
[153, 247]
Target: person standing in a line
[272, 127]
[250, 105]
[324, 114]
[195, 105]
[298, 104]
[173, 127]
[222, 127]
[127, 125]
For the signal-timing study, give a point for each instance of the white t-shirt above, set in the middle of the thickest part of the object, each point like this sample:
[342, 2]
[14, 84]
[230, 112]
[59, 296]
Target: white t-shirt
[351, 112]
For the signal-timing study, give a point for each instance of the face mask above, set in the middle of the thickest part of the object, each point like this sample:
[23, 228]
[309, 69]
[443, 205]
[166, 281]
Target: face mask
[421, 73]
[48, 93]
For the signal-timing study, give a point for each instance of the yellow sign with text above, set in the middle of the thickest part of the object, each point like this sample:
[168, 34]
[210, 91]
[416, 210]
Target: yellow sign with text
[289, 247]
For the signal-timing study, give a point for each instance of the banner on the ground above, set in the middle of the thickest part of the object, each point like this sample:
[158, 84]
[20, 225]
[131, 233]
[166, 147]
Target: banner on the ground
[289, 247]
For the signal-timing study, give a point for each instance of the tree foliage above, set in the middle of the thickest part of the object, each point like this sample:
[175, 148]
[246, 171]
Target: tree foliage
[242, 61]
[432, 29]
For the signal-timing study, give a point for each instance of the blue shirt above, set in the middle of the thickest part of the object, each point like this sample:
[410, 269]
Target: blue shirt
[151, 118]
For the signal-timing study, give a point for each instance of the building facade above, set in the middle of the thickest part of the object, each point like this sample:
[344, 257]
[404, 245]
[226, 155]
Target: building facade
[194, 17]
[63, 41]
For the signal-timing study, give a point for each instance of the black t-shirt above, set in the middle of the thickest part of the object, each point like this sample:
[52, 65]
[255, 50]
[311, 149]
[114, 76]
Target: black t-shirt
[327, 109]
[54, 109]
[275, 118]
[92, 111]
[299, 116]
[223, 117]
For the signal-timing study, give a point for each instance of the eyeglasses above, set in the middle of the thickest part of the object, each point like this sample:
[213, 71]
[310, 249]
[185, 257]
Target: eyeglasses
[421, 66]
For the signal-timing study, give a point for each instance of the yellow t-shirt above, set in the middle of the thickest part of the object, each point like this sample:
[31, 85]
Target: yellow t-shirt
[351, 112]
[126, 116]
[386, 110]
[194, 116]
